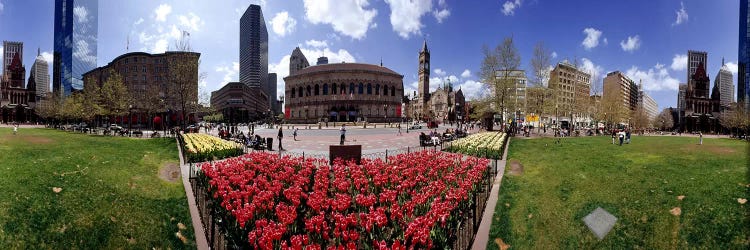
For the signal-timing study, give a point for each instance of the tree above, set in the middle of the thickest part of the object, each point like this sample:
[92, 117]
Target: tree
[613, 110]
[114, 96]
[183, 79]
[49, 107]
[736, 118]
[496, 72]
[540, 64]
[72, 108]
[664, 120]
[639, 119]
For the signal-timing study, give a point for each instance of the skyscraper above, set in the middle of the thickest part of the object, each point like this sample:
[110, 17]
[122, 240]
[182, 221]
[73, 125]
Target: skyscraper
[40, 74]
[75, 49]
[696, 58]
[725, 85]
[743, 56]
[273, 92]
[10, 49]
[254, 50]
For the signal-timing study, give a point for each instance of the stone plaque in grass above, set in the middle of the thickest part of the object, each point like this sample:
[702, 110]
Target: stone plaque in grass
[600, 222]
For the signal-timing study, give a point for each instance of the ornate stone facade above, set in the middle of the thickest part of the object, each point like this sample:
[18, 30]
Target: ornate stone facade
[342, 92]
[443, 105]
[16, 102]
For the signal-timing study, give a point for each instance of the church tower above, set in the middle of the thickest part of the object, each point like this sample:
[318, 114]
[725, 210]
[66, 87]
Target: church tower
[424, 73]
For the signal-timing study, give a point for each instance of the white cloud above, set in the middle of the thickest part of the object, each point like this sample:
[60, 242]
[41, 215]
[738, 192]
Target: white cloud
[471, 89]
[411, 88]
[554, 54]
[592, 38]
[436, 82]
[679, 62]
[441, 14]
[316, 44]
[162, 11]
[282, 70]
[81, 14]
[140, 21]
[632, 44]
[160, 46]
[406, 15]
[283, 24]
[682, 15]
[351, 18]
[230, 73]
[439, 72]
[654, 79]
[84, 53]
[732, 67]
[605, 41]
[191, 21]
[596, 71]
[466, 73]
[48, 56]
[509, 7]
[2, 6]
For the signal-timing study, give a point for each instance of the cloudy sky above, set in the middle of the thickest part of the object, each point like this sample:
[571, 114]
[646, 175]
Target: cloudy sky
[648, 40]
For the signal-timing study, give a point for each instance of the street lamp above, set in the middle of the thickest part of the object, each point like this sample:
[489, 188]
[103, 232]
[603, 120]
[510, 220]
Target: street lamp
[130, 119]
[385, 113]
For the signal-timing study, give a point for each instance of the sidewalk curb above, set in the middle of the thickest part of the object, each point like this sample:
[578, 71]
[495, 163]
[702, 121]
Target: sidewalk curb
[200, 236]
[482, 237]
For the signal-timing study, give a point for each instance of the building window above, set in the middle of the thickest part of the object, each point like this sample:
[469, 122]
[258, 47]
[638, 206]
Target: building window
[377, 89]
[325, 89]
[293, 92]
[135, 59]
[361, 88]
[334, 89]
[317, 89]
[300, 91]
[369, 88]
[393, 91]
[309, 90]
[342, 89]
[351, 88]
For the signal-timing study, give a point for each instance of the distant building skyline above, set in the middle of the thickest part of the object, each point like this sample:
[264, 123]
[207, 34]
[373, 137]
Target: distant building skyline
[40, 75]
[743, 56]
[254, 50]
[76, 26]
[11, 48]
[725, 83]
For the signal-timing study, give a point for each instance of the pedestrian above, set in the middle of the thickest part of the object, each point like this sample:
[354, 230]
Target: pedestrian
[343, 134]
[700, 136]
[295, 134]
[399, 129]
[622, 137]
[627, 136]
[613, 137]
[15, 129]
[280, 136]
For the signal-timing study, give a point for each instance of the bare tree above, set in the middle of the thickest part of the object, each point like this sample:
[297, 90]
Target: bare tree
[664, 120]
[183, 78]
[495, 72]
[639, 119]
[540, 64]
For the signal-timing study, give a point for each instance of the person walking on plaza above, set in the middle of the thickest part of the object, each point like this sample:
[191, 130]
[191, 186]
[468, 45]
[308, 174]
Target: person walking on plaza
[627, 136]
[15, 129]
[295, 134]
[399, 129]
[343, 133]
[613, 136]
[621, 134]
[700, 136]
[280, 136]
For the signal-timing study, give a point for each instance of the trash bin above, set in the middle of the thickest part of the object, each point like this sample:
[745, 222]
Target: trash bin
[269, 143]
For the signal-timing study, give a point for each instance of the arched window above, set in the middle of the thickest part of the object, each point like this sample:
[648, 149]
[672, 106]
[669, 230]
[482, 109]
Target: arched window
[293, 92]
[300, 91]
[369, 88]
[317, 89]
[351, 88]
[333, 91]
[325, 89]
[377, 89]
[309, 90]
[361, 88]
[393, 91]
[343, 89]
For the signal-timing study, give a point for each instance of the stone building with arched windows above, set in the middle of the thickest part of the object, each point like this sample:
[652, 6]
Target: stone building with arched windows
[343, 92]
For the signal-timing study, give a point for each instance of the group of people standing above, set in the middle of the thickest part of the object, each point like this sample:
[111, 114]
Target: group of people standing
[623, 135]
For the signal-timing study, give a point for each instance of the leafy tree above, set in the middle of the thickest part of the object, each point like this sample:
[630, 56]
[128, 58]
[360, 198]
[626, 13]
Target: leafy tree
[664, 120]
[114, 96]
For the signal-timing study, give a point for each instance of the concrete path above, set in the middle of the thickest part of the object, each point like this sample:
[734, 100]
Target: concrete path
[483, 234]
[200, 235]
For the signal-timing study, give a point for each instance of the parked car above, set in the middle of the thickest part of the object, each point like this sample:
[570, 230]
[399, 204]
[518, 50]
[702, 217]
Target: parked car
[115, 127]
[415, 126]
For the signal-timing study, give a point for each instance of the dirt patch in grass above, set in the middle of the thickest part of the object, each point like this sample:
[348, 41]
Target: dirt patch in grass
[36, 139]
[170, 172]
[516, 169]
[712, 148]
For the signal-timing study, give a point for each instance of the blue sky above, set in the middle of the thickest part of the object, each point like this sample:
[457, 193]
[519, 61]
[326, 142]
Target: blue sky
[645, 39]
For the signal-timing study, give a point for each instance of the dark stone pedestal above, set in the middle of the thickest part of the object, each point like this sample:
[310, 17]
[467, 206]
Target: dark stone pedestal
[345, 152]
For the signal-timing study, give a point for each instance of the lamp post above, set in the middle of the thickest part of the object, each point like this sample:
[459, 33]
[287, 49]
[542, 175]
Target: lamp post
[385, 113]
[130, 120]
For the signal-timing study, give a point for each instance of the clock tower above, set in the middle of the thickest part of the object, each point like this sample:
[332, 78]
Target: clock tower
[424, 81]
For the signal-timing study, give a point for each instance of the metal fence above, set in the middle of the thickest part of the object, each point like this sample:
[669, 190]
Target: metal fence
[214, 225]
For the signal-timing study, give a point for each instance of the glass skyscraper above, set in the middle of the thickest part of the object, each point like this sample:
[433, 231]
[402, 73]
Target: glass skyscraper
[254, 50]
[76, 29]
[743, 56]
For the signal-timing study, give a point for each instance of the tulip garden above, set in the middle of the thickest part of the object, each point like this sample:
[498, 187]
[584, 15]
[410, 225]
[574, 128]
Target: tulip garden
[487, 145]
[414, 200]
[203, 147]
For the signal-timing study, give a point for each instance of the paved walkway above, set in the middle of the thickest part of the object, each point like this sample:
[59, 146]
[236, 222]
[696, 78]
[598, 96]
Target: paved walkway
[200, 235]
[483, 234]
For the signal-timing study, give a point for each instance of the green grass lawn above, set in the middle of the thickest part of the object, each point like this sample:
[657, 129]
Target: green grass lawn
[110, 196]
[638, 183]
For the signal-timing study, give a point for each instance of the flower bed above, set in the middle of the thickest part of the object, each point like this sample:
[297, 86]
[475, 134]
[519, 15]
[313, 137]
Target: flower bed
[487, 145]
[415, 200]
[203, 147]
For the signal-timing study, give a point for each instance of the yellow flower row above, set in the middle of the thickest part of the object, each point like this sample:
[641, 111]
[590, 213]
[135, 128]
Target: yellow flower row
[203, 143]
[489, 144]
